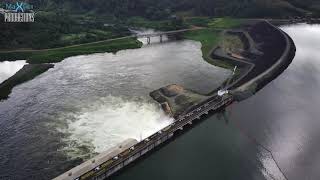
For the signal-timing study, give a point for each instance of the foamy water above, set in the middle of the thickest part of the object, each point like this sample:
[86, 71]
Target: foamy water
[112, 120]
[9, 68]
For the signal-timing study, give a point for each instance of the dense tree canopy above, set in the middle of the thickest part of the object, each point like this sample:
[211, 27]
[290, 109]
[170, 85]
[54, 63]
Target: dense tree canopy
[65, 22]
[157, 9]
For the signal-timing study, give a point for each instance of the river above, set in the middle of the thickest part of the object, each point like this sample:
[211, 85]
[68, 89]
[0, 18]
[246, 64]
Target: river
[272, 135]
[87, 104]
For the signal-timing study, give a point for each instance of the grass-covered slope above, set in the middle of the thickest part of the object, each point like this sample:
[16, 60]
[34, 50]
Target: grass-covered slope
[211, 37]
[58, 54]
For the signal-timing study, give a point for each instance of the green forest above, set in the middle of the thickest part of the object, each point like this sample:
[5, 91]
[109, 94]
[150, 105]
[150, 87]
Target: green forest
[66, 22]
[159, 9]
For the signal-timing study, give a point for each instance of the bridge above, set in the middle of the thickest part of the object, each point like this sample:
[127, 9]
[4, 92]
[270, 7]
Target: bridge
[104, 166]
[161, 34]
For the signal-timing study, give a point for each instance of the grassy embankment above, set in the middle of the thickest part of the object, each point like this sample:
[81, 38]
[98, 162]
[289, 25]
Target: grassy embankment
[58, 54]
[161, 25]
[211, 36]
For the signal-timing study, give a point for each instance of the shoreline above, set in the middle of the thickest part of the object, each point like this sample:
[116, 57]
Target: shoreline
[39, 62]
[258, 65]
[110, 45]
[26, 73]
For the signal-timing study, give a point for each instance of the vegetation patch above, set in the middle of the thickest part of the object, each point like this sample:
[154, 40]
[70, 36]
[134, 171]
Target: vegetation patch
[208, 38]
[58, 54]
[231, 43]
[162, 25]
[224, 23]
[57, 29]
[198, 21]
[212, 37]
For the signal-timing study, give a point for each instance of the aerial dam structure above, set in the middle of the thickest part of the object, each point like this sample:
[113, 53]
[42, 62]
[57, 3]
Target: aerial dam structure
[108, 163]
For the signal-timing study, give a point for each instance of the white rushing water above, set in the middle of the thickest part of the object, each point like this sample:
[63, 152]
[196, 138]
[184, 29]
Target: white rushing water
[9, 68]
[111, 120]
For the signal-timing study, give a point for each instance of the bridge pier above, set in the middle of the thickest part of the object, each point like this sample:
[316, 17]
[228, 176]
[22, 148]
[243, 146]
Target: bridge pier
[148, 40]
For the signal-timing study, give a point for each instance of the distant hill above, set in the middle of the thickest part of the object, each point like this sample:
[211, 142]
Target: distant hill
[157, 9]
[67, 22]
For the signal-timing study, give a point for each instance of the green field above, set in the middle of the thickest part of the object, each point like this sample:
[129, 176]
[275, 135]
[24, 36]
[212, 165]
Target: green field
[224, 23]
[211, 36]
[57, 55]
[208, 38]
[161, 25]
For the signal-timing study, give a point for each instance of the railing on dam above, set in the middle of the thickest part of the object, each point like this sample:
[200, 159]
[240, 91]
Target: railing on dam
[127, 153]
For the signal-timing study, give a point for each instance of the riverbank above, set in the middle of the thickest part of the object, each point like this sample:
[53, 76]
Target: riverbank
[208, 37]
[260, 51]
[39, 59]
[58, 54]
[211, 36]
[27, 73]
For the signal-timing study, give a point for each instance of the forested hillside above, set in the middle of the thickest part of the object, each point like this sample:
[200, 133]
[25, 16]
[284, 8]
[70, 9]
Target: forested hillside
[156, 9]
[65, 22]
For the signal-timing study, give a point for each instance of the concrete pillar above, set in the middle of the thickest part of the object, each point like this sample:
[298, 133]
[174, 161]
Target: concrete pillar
[148, 40]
